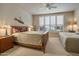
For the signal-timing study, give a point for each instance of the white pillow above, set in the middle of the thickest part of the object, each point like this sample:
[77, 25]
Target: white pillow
[8, 31]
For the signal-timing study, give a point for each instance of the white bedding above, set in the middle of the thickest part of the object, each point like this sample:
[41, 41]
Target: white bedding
[32, 37]
[65, 35]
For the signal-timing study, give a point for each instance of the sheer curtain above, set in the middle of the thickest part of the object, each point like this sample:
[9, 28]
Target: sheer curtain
[41, 23]
[51, 23]
[47, 23]
[60, 23]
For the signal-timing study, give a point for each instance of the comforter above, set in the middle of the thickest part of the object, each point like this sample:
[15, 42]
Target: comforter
[65, 35]
[32, 37]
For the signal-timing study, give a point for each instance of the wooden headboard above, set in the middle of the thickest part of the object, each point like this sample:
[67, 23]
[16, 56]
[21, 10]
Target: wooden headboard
[19, 29]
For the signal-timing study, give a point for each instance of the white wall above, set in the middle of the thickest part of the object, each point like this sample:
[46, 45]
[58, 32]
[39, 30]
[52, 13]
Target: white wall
[8, 13]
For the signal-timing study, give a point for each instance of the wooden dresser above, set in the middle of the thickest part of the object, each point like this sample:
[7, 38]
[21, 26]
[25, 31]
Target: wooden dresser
[6, 43]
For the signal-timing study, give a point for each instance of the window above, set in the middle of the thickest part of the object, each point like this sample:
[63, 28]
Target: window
[60, 20]
[51, 22]
[47, 23]
[41, 20]
[41, 23]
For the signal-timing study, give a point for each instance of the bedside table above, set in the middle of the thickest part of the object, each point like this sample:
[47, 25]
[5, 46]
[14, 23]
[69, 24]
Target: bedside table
[6, 43]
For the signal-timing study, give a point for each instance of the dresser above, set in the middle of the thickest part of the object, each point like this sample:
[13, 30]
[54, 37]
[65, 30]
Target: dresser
[6, 43]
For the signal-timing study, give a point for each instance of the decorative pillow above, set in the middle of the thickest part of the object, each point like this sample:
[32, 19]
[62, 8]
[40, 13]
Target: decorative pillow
[16, 29]
[8, 31]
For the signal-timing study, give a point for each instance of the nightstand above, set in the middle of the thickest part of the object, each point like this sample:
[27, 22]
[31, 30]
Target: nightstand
[6, 43]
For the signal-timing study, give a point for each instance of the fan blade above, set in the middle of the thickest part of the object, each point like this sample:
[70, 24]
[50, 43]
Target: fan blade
[53, 7]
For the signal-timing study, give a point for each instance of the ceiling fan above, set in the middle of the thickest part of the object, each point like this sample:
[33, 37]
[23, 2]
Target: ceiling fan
[50, 5]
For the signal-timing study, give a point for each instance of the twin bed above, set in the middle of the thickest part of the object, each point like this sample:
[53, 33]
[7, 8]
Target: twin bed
[70, 41]
[64, 36]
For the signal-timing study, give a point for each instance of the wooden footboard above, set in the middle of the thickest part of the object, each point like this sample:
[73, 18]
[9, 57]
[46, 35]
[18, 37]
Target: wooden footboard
[44, 42]
[39, 47]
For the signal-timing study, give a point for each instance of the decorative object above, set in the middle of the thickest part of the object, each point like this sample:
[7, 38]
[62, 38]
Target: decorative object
[2, 32]
[19, 20]
[5, 30]
[15, 29]
[30, 28]
[50, 5]
[8, 27]
[72, 26]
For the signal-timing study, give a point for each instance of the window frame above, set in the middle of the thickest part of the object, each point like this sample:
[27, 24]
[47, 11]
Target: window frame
[51, 25]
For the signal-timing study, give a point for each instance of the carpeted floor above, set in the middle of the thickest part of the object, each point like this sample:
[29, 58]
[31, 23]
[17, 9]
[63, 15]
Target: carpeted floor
[53, 48]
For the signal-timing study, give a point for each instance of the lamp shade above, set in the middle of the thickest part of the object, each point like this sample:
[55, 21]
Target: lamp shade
[30, 27]
[69, 27]
[2, 32]
[75, 27]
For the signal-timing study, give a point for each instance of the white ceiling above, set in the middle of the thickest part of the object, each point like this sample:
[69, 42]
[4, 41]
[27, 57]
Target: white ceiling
[39, 8]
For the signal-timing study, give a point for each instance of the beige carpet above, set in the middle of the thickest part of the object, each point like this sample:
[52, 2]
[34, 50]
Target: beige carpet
[53, 48]
[22, 51]
[10, 50]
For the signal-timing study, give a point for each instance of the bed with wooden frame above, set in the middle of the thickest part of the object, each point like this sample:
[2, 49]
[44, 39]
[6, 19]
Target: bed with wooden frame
[32, 39]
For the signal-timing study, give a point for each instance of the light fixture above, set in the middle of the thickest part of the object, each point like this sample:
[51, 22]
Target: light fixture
[30, 28]
[6, 29]
[50, 5]
[72, 27]
[2, 32]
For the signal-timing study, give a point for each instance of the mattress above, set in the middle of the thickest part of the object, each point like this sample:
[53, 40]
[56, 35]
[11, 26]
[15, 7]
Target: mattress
[31, 37]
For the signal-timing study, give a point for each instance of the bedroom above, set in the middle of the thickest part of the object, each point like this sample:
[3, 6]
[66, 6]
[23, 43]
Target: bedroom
[36, 27]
